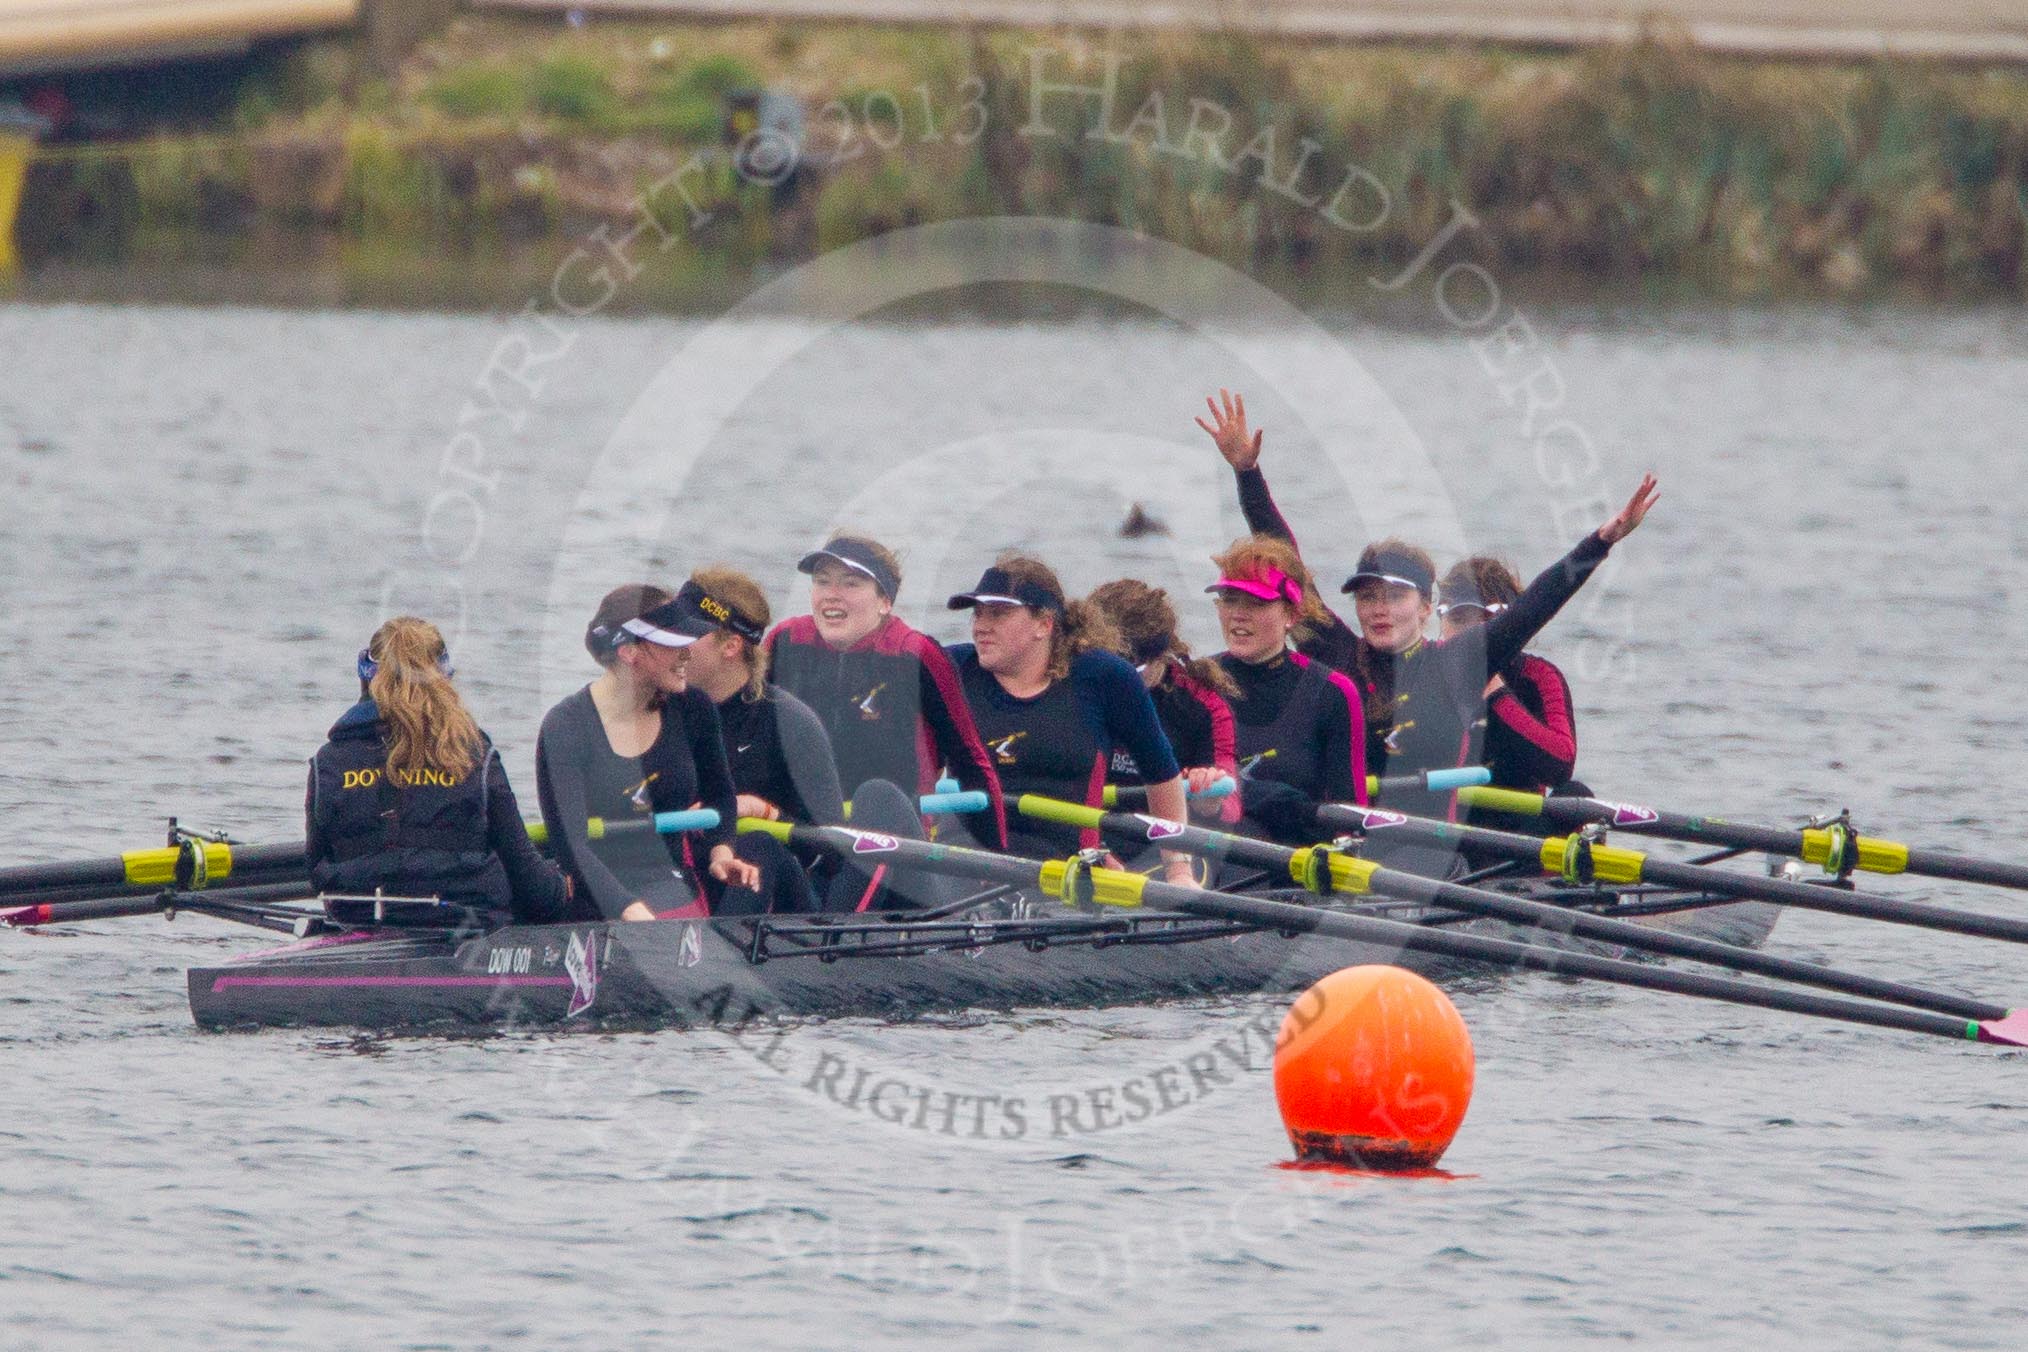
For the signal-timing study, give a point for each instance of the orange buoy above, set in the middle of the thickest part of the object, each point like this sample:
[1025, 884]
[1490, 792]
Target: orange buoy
[1373, 1069]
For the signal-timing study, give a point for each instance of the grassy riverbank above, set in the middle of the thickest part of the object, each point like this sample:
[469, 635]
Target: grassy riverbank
[1641, 162]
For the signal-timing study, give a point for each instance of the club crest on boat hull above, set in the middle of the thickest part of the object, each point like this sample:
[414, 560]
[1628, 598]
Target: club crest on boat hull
[581, 961]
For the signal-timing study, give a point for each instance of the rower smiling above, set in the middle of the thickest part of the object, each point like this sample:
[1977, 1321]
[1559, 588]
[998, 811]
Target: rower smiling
[638, 740]
[887, 695]
[1053, 699]
[1424, 701]
[1297, 720]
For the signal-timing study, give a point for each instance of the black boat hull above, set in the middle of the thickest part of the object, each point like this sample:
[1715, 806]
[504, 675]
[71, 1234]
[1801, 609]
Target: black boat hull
[683, 973]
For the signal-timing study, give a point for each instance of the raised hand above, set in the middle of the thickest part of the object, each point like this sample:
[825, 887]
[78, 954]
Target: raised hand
[1227, 429]
[1631, 515]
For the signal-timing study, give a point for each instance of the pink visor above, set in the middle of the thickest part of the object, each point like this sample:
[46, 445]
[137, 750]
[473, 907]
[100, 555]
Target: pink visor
[1272, 585]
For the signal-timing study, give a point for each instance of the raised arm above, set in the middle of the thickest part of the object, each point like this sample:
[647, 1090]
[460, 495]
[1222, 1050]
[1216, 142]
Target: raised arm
[1240, 448]
[1502, 638]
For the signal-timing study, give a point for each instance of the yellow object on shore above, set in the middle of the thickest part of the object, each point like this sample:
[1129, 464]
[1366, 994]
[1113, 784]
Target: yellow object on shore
[14, 153]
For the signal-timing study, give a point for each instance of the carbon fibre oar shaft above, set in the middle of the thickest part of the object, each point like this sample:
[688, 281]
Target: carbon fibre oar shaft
[1073, 881]
[221, 903]
[192, 863]
[1325, 870]
[1573, 856]
[1837, 846]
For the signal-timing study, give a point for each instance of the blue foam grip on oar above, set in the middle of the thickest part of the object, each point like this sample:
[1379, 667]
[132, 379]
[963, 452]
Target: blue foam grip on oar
[1218, 788]
[692, 819]
[1464, 777]
[949, 786]
[972, 801]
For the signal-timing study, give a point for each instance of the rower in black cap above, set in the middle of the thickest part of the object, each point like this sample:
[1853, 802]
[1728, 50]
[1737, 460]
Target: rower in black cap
[1424, 701]
[779, 752]
[1054, 698]
[639, 740]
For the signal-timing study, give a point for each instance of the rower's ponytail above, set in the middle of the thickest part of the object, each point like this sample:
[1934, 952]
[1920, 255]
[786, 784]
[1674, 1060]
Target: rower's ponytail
[428, 726]
[1147, 623]
[1084, 629]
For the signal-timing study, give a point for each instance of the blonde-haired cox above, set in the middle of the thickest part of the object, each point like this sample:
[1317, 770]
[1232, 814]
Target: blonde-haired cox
[428, 727]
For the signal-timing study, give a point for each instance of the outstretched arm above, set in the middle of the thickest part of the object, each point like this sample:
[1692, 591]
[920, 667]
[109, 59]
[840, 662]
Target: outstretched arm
[1506, 634]
[1240, 448]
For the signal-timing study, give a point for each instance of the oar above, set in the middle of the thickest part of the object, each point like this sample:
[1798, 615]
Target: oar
[194, 864]
[1836, 846]
[1584, 861]
[1429, 781]
[1115, 795]
[230, 903]
[1324, 869]
[946, 800]
[661, 824]
[1078, 883]
[191, 863]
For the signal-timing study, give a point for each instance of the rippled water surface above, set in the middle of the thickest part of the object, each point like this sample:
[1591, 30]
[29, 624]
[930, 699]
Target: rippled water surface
[207, 509]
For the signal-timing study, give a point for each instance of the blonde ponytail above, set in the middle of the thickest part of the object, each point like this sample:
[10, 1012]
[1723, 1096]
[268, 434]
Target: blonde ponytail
[428, 727]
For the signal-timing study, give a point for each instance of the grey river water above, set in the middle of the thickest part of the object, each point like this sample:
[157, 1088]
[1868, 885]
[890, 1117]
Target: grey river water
[207, 509]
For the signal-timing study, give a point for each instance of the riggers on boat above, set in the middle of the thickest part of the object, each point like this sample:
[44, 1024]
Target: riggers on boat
[398, 966]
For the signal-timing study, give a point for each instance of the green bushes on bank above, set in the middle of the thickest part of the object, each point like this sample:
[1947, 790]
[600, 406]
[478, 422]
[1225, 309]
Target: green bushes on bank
[1644, 160]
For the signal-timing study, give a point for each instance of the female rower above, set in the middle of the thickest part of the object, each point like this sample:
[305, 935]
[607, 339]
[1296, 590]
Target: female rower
[1424, 701]
[1189, 694]
[637, 741]
[1054, 700]
[1531, 731]
[408, 797]
[1297, 720]
[779, 754]
[887, 695]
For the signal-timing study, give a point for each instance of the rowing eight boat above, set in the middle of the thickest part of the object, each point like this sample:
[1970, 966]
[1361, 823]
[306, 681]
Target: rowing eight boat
[999, 954]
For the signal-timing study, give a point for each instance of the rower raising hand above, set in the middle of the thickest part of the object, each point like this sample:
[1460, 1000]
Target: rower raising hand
[1228, 429]
[1613, 531]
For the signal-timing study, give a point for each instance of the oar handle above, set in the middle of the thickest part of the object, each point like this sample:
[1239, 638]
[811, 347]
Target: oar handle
[1113, 795]
[1430, 781]
[662, 824]
[970, 800]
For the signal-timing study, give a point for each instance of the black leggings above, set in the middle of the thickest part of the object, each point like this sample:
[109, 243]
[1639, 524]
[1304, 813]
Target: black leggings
[863, 884]
[784, 887]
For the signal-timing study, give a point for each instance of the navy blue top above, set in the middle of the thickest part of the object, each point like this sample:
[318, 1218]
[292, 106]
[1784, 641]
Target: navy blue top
[1059, 743]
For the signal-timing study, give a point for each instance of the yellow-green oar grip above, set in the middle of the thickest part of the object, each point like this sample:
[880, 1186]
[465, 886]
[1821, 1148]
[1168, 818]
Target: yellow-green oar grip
[1875, 856]
[157, 868]
[1348, 874]
[1109, 887]
[779, 830]
[1056, 810]
[1608, 865]
[1502, 800]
